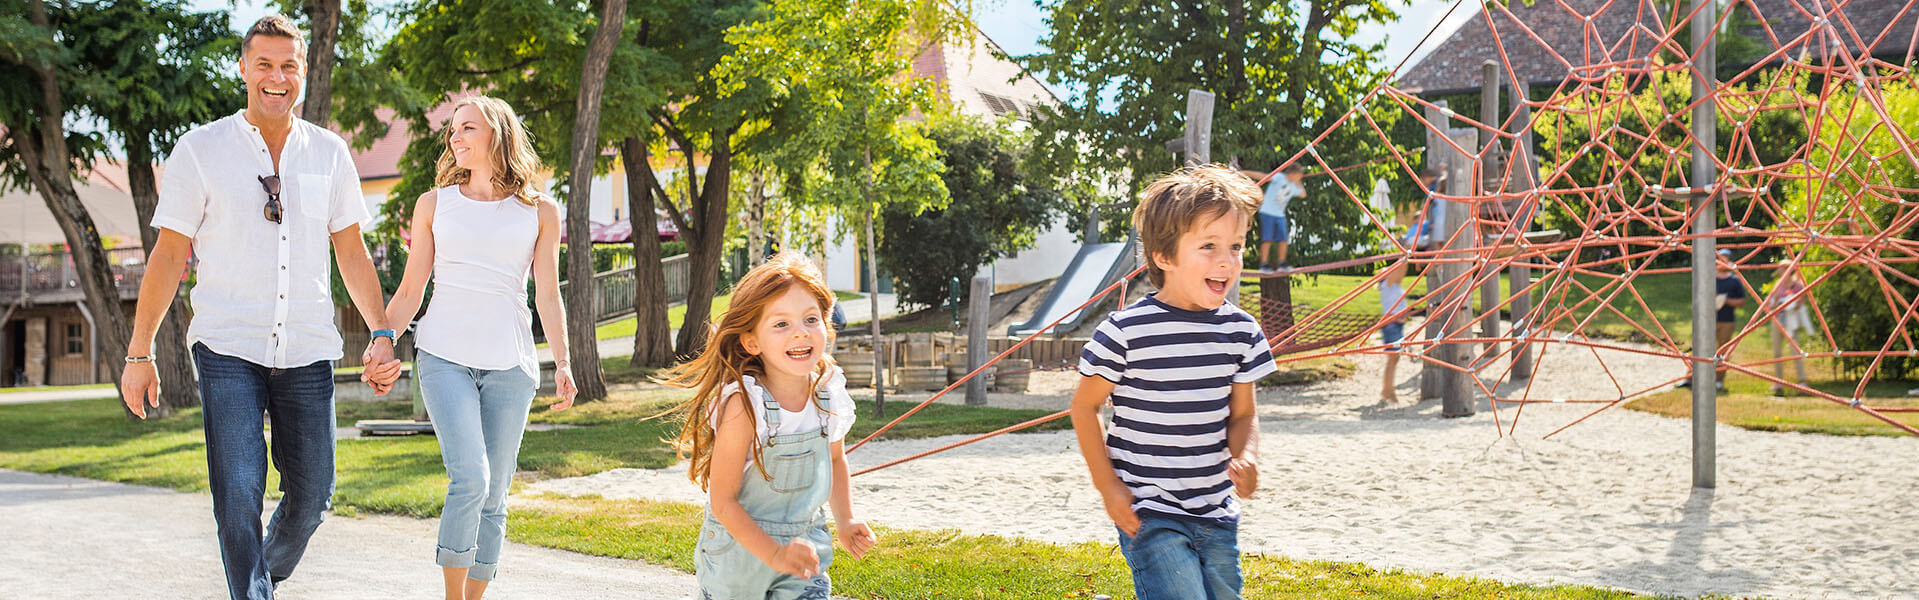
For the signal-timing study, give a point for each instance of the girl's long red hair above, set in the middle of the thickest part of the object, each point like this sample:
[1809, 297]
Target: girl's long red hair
[725, 359]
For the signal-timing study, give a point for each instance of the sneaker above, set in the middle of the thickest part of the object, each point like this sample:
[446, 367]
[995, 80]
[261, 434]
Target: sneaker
[1683, 384]
[1719, 386]
[1912, 392]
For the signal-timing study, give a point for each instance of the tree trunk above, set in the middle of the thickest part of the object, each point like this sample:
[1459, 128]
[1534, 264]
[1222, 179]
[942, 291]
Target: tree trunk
[756, 218]
[42, 146]
[583, 314]
[708, 245]
[652, 342]
[873, 294]
[323, 19]
[174, 360]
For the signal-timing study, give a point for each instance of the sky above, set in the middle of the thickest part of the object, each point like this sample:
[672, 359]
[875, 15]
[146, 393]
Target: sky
[1018, 25]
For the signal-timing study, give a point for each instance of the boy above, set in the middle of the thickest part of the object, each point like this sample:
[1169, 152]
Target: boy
[1392, 302]
[1179, 365]
[1274, 229]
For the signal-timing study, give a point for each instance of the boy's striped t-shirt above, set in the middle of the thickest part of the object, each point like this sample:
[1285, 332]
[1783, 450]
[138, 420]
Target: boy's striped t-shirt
[1173, 371]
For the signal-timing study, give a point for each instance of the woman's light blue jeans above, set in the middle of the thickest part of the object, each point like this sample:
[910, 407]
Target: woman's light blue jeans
[478, 416]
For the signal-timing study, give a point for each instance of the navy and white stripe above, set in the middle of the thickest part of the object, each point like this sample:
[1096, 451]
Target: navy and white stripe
[1173, 371]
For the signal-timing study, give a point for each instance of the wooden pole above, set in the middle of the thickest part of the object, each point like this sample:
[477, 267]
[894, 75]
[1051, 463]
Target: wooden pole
[978, 312]
[1488, 153]
[1519, 278]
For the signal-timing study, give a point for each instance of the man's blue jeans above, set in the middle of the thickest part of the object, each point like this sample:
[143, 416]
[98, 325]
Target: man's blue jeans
[234, 394]
[1175, 559]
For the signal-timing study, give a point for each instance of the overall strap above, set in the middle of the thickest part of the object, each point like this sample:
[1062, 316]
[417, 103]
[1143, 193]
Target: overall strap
[820, 400]
[771, 408]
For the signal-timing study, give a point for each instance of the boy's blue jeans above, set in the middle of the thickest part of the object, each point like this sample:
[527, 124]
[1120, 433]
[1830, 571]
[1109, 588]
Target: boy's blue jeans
[1175, 559]
[234, 394]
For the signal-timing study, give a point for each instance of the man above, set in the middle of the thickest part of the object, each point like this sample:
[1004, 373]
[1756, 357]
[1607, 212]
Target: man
[257, 197]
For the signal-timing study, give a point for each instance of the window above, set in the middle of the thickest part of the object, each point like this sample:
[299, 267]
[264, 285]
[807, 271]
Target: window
[76, 339]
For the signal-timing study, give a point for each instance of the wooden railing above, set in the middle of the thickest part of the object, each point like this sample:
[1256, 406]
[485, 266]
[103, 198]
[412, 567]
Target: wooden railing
[46, 276]
[613, 290]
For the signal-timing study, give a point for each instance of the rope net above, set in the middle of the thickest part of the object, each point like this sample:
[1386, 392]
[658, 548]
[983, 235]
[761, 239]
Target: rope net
[1815, 179]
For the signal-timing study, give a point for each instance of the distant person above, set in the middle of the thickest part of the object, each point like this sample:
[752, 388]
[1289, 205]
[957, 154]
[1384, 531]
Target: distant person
[1793, 321]
[1429, 222]
[1179, 366]
[1392, 303]
[1731, 294]
[1275, 231]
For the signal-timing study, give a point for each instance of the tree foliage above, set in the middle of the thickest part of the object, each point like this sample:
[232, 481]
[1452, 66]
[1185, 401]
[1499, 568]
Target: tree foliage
[995, 211]
[1867, 157]
[1282, 72]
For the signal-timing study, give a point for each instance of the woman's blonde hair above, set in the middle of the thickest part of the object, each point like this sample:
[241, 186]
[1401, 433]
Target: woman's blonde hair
[725, 359]
[515, 166]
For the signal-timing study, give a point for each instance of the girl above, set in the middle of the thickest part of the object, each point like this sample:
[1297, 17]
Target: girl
[477, 237]
[763, 436]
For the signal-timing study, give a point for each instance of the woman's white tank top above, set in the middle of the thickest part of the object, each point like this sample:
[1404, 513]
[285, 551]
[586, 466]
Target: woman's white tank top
[482, 254]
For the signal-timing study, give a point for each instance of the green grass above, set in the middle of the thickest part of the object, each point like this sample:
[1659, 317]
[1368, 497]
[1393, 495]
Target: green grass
[55, 388]
[948, 564]
[1748, 404]
[674, 316]
[404, 476]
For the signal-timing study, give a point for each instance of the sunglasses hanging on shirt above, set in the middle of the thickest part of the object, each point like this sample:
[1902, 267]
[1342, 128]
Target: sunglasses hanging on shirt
[271, 183]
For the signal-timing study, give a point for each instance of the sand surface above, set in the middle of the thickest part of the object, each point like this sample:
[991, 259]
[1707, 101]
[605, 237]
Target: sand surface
[1608, 502]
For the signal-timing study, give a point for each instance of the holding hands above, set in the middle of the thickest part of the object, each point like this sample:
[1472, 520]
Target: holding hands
[382, 370]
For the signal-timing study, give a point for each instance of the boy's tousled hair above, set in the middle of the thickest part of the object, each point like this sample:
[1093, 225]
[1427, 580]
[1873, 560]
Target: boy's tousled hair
[1172, 206]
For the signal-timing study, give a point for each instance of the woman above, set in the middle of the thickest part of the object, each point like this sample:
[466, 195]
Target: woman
[477, 236]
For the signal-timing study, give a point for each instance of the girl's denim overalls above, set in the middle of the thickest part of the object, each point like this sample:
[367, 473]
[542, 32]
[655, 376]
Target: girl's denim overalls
[789, 505]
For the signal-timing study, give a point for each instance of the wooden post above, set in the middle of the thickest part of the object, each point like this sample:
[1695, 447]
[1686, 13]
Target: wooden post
[1488, 155]
[1520, 278]
[1461, 235]
[978, 312]
[1199, 127]
[1436, 153]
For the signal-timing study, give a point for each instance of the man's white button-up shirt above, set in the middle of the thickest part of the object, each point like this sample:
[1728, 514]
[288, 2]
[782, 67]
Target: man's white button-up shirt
[263, 291]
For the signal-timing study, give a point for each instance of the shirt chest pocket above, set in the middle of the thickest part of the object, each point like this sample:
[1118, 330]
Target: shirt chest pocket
[315, 196]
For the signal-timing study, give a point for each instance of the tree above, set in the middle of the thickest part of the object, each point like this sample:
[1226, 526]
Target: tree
[1858, 170]
[167, 70]
[570, 107]
[841, 103]
[44, 81]
[1282, 72]
[584, 147]
[995, 211]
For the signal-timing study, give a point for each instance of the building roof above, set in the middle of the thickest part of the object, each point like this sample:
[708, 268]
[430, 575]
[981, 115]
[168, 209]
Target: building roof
[978, 80]
[24, 218]
[1581, 33]
[382, 159]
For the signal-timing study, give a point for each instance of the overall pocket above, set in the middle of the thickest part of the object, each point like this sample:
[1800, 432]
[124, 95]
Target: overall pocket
[792, 473]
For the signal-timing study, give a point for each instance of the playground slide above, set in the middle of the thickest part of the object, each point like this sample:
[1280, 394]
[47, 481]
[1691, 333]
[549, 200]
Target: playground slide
[1094, 267]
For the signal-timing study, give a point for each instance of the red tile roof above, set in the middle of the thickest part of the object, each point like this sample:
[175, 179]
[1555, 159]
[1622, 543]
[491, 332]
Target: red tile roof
[1580, 33]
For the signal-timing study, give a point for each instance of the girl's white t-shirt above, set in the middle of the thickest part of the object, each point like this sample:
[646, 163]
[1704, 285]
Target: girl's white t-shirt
[839, 407]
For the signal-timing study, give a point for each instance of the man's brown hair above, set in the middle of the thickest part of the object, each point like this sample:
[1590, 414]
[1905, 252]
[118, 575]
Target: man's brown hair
[276, 26]
[1176, 203]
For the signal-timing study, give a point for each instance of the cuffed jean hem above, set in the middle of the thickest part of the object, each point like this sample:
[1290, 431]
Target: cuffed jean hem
[455, 559]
